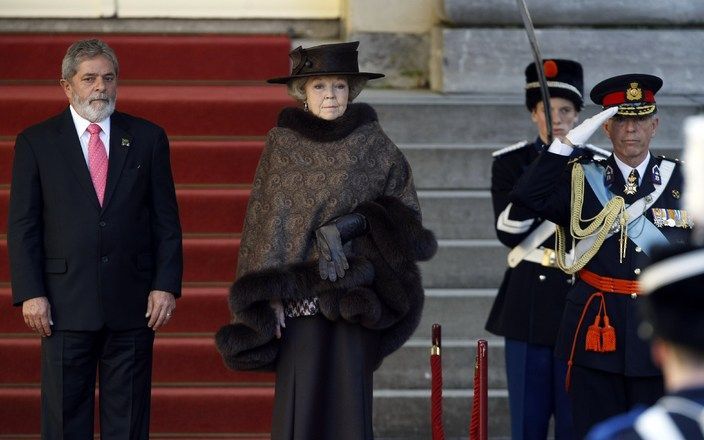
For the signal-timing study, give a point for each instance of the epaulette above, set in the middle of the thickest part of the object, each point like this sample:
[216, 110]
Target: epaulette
[677, 161]
[599, 153]
[513, 147]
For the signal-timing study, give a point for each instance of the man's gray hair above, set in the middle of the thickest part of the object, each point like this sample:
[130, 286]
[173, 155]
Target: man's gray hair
[296, 87]
[83, 50]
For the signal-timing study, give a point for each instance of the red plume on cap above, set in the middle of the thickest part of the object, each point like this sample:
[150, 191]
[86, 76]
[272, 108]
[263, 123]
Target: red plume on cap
[550, 68]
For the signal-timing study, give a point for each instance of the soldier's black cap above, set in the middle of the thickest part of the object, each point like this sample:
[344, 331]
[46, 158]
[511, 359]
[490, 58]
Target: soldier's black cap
[633, 93]
[565, 80]
[673, 286]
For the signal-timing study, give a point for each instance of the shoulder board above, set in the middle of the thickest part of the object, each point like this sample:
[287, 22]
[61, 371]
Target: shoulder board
[599, 153]
[677, 161]
[513, 147]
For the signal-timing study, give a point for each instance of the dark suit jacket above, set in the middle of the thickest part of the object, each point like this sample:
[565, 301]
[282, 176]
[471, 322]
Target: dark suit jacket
[96, 265]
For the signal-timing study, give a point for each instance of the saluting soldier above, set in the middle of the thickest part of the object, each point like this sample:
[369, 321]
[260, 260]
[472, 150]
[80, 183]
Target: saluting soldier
[528, 306]
[617, 210]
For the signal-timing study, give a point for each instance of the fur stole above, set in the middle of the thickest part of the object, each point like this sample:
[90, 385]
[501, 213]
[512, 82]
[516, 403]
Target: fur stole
[382, 289]
[321, 130]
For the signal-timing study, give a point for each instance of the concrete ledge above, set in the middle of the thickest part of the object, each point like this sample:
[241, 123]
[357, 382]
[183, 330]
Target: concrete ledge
[295, 28]
[402, 57]
[492, 60]
[552, 13]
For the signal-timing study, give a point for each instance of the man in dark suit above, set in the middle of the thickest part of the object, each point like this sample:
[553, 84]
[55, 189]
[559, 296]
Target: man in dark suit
[95, 250]
[619, 209]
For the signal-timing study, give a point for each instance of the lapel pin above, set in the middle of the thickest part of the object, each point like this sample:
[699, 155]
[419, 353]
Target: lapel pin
[125, 142]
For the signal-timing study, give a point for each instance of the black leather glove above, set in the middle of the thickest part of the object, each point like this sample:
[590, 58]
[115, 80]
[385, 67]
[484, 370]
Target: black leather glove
[329, 238]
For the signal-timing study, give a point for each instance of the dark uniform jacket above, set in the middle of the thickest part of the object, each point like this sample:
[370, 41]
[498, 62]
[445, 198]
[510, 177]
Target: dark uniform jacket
[545, 188]
[529, 303]
[622, 427]
[95, 264]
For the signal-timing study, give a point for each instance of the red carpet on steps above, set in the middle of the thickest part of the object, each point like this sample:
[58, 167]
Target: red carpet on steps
[183, 110]
[29, 57]
[200, 89]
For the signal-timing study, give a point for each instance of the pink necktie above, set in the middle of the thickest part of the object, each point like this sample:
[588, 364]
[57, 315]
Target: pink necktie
[97, 161]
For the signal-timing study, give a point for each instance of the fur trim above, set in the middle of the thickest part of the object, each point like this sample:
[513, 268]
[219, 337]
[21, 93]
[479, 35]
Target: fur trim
[382, 289]
[322, 130]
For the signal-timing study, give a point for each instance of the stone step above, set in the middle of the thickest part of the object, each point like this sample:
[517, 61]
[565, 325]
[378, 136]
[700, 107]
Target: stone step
[409, 367]
[594, 12]
[492, 60]
[468, 166]
[405, 414]
[465, 264]
[490, 121]
[458, 214]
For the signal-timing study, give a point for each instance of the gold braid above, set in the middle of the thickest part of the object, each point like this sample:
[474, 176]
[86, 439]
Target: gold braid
[600, 224]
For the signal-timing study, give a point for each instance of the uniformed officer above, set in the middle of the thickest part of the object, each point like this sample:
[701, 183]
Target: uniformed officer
[618, 210]
[673, 306]
[528, 306]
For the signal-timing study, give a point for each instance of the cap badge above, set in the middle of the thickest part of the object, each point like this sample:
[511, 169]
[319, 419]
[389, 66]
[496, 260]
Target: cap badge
[634, 93]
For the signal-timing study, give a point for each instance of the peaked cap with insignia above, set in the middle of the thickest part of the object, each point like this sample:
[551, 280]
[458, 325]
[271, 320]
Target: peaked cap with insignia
[633, 93]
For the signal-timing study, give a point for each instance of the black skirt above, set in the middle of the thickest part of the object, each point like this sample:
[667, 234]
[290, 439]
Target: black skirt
[324, 380]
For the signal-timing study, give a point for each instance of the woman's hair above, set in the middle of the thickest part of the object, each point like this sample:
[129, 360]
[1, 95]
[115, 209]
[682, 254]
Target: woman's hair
[83, 50]
[296, 87]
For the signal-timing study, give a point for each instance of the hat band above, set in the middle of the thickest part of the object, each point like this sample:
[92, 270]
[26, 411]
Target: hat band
[555, 84]
[641, 110]
[618, 98]
[672, 270]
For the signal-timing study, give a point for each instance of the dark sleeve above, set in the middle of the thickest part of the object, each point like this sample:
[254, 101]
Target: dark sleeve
[512, 221]
[544, 188]
[166, 227]
[25, 228]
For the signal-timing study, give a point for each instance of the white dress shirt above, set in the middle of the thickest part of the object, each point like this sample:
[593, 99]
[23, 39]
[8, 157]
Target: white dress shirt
[82, 124]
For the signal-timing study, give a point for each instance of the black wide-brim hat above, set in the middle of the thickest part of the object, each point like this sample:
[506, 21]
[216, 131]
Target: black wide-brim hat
[633, 93]
[673, 286]
[565, 80]
[326, 59]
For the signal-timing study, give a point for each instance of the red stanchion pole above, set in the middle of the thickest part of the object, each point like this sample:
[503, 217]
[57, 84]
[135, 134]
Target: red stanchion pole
[478, 427]
[436, 423]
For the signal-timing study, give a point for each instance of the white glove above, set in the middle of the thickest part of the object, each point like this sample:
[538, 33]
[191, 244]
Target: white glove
[581, 133]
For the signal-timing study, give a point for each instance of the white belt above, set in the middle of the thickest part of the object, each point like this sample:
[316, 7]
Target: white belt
[545, 257]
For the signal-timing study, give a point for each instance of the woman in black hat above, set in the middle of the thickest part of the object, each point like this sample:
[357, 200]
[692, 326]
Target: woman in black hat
[327, 278]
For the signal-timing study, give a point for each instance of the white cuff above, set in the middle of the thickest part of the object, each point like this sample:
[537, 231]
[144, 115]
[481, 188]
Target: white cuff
[558, 147]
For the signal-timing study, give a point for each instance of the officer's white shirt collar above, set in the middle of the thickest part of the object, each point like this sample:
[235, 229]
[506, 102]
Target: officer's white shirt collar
[626, 169]
[82, 124]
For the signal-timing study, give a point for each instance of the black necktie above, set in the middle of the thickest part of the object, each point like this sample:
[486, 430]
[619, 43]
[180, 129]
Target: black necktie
[631, 183]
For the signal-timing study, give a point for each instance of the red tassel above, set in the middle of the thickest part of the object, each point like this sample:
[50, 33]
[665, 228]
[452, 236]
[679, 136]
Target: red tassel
[608, 336]
[593, 340]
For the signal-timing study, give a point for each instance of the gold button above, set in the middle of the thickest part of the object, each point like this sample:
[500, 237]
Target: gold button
[637, 271]
[634, 295]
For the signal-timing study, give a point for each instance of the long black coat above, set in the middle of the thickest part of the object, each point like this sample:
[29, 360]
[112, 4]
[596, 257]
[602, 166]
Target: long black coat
[96, 265]
[528, 306]
[545, 188]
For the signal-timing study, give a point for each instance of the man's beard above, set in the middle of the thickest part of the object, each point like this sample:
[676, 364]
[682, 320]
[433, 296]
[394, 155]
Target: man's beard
[92, 112]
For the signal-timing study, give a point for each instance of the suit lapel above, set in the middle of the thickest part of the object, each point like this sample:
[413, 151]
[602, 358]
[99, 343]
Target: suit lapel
[71, 152]
[120, 146]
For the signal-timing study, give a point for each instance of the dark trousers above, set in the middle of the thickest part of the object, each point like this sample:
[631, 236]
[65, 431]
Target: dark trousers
[123, 361]
[597, 395]
[536, 392]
